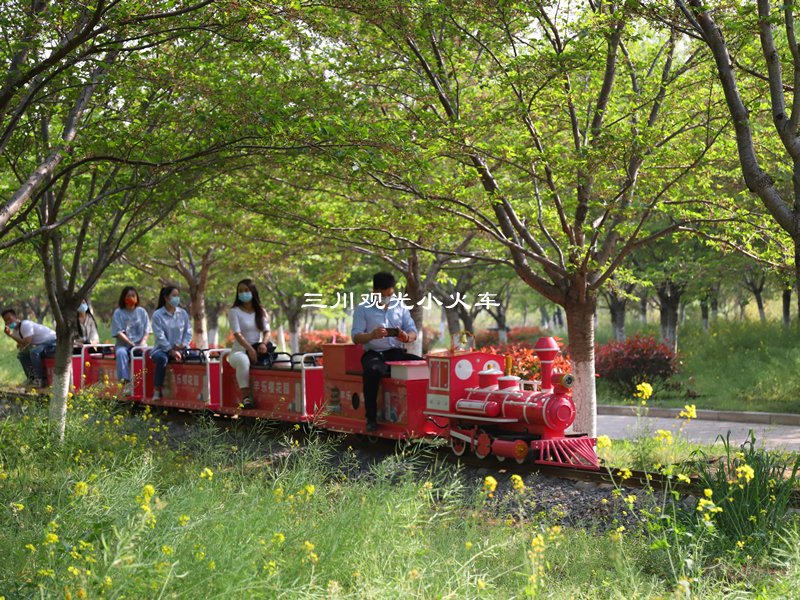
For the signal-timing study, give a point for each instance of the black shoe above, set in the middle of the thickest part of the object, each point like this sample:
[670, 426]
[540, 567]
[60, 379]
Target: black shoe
[248, 403]
[372, 426]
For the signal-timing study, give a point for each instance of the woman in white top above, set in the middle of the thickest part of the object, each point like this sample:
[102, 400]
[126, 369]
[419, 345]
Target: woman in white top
[250, 329]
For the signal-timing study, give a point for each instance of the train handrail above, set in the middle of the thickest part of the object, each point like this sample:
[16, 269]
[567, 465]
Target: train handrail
[140, 350]
[304, 355]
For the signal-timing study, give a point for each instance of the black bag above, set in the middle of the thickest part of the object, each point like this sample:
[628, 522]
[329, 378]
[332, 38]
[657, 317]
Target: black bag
[267, 358]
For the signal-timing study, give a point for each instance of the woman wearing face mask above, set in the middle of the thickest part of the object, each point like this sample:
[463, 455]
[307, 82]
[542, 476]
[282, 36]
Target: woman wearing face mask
[131, 326]
[250, 329]
[173, 334]
[86, 326]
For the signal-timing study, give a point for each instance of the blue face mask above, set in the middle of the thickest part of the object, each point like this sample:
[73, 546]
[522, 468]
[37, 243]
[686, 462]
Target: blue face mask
[175, 301]
[245, 296]
[83, 307]
[12, 326]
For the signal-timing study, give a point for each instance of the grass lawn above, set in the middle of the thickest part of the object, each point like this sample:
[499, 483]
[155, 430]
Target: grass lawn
[116, 512]
[735, 366]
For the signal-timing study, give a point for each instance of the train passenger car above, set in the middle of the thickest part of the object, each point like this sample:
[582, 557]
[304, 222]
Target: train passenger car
[462, 396]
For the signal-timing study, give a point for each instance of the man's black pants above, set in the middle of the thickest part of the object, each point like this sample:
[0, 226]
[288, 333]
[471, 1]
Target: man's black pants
[375, 367]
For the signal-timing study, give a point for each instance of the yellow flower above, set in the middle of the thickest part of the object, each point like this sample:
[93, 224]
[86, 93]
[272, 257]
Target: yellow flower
[683, 478]
[167, 550]
[517, 483]
[30, 547]
[50, 538]
[745, 472]
[689, 412]
[309, 489]
[708, 493]
[279, 538]
[468, 545]
[207, 473]
[427, 485]
[308, 546]
[664, 435]
[413, 574]
[183, 520]
[16, 507]
[81, 488]
[603, 441]
[481, 584]
[644, 391]
[489, 485]
[625, 473]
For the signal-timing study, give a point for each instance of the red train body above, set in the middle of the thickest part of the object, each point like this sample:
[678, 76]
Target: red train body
[459, 395]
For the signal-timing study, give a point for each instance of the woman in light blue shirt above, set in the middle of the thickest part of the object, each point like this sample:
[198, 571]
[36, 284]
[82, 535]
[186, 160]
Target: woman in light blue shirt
[131, 326]
[173, 334]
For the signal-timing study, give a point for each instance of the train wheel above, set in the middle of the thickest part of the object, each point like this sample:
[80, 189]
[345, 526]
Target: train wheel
[520, 460]
[458, 446]
[500, 458]
[483, 447]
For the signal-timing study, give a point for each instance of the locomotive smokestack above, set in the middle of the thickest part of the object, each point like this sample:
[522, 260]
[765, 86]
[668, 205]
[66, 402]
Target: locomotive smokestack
[546, 350]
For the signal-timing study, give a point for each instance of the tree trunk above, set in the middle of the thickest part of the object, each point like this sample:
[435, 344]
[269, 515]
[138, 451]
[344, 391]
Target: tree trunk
[787, 307]
[558, 319]
[617, 306]
[544, 317]
[62, 374]
[294, 333]
[762, 316]
[682, 314]
[199, 323]
[797, 275]
[704, 313]
[213, 311]
[502, 328]
[281, 338]
[468, 321]
[643, 308]
[580, 332]
[453, 322]
[714, 308]
[669, 295]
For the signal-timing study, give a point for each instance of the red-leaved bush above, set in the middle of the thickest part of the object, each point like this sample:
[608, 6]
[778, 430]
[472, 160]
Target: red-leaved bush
[526, 364]
[487, 337]
[639, 359]
[312, 341]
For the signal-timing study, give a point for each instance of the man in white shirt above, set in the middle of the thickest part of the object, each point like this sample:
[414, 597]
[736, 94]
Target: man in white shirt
[33, 341]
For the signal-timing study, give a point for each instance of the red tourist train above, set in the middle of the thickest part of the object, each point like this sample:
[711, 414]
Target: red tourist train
[460, 395]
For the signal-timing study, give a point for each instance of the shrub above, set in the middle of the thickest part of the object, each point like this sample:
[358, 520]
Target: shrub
[312, 341]
[526, 364]
[489, 337]
[639, 359]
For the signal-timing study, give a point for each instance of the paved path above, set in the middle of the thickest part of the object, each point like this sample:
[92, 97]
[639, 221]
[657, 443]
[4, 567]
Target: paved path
[771, 436]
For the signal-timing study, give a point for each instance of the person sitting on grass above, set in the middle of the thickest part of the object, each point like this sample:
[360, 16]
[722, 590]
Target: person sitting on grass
[33, 342]
[173, 334]
[131, 326]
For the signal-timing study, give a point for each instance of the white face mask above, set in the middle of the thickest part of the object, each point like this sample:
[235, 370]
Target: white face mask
[83, 307]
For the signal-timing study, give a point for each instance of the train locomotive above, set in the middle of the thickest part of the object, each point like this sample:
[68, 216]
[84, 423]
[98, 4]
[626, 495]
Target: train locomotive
[464, 396]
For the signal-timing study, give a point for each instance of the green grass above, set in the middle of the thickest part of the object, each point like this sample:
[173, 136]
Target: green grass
[116, 512]
[735, 366]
